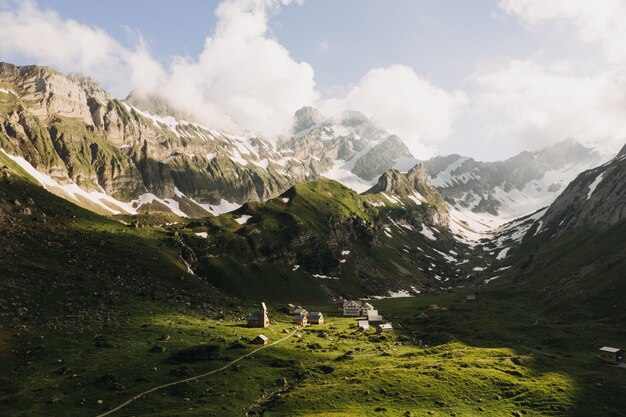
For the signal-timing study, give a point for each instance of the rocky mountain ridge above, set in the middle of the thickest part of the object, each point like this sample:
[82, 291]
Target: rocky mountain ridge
[70, 129]
[512, 188]
[140, 155]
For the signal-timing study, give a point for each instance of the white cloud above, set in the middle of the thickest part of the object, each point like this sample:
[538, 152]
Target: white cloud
[243, 74]
[41, 35]
[405, 104]
[537, 104]
[599, 22]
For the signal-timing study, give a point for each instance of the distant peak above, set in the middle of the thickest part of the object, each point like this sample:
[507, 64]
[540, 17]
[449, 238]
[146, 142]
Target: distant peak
[394, 182]
[307, 117]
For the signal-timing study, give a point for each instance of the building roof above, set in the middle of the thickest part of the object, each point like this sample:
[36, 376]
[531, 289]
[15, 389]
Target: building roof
[299, 317]
[262, 337]
[373, 315]
[609, 349]
[315, 315]
[348, 302]
[364, 323]
[299, 310]
[385, 326]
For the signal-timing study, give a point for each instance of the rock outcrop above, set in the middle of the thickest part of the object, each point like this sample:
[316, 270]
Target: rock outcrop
[69, 128]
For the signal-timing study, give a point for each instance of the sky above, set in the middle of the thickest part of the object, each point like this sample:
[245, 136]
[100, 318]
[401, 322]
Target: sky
[482, 78]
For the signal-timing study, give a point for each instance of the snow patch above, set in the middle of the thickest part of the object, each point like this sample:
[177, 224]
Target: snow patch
[428, 233]
[400, 294]
[243, 219]
[594, 185]
[202, 234]
[391, 199]
[72, 191]
[488, 280]
[324, 276]
[502, 253]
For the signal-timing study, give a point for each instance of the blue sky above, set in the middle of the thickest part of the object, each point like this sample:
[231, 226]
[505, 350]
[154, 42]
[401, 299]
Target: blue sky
[342, 40]
[486, 78]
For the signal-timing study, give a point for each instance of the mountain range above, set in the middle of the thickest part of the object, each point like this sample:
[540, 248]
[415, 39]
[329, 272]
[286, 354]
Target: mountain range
[139, 155]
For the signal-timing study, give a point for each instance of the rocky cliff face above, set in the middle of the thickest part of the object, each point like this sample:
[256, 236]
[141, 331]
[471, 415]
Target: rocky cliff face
[142, 150]
[595, 200]
[512, 188]
[415, 193]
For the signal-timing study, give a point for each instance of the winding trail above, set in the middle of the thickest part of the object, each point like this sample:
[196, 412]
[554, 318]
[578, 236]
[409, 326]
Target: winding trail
[182, 381]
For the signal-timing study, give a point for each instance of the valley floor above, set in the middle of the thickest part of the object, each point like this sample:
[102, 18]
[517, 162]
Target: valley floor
[494, 357]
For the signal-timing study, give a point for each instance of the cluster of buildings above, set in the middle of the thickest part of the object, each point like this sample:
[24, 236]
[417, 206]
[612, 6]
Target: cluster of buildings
[301, 317]
[366, 314]
[260, 319]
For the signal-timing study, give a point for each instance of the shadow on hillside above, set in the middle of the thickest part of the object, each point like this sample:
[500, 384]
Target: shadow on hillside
[509, 320]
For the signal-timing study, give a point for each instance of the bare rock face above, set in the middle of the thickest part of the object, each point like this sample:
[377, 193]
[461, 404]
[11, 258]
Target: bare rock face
[382, 157]
[492, 187]
[411, 187]
[306, 118]
[595, 200]
[49, 92]
[72, 130]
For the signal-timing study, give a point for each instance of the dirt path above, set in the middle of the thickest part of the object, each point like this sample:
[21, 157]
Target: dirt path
[182, 381]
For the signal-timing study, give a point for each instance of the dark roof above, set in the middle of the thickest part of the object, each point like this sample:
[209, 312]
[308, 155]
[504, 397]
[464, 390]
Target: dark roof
[256, 315]
[299, 317]
[315, 314]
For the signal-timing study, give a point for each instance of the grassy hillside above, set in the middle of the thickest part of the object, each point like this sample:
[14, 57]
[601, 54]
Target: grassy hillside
[577, 276]
[497, 357]
[93, 312]
[321, 240]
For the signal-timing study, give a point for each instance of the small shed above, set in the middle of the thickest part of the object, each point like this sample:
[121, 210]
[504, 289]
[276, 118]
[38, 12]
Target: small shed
[291, 307]
[471, 297]
[384, 327]
[260, 340]
[299, 319]
[423, 316]
[373, 317]
[259, 318]
[315, 317]
[364, 325]
[299, 311]
[611, 355]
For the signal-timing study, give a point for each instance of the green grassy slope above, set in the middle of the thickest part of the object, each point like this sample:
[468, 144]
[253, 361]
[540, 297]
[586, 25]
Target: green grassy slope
[92, 312]
[320, 240]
